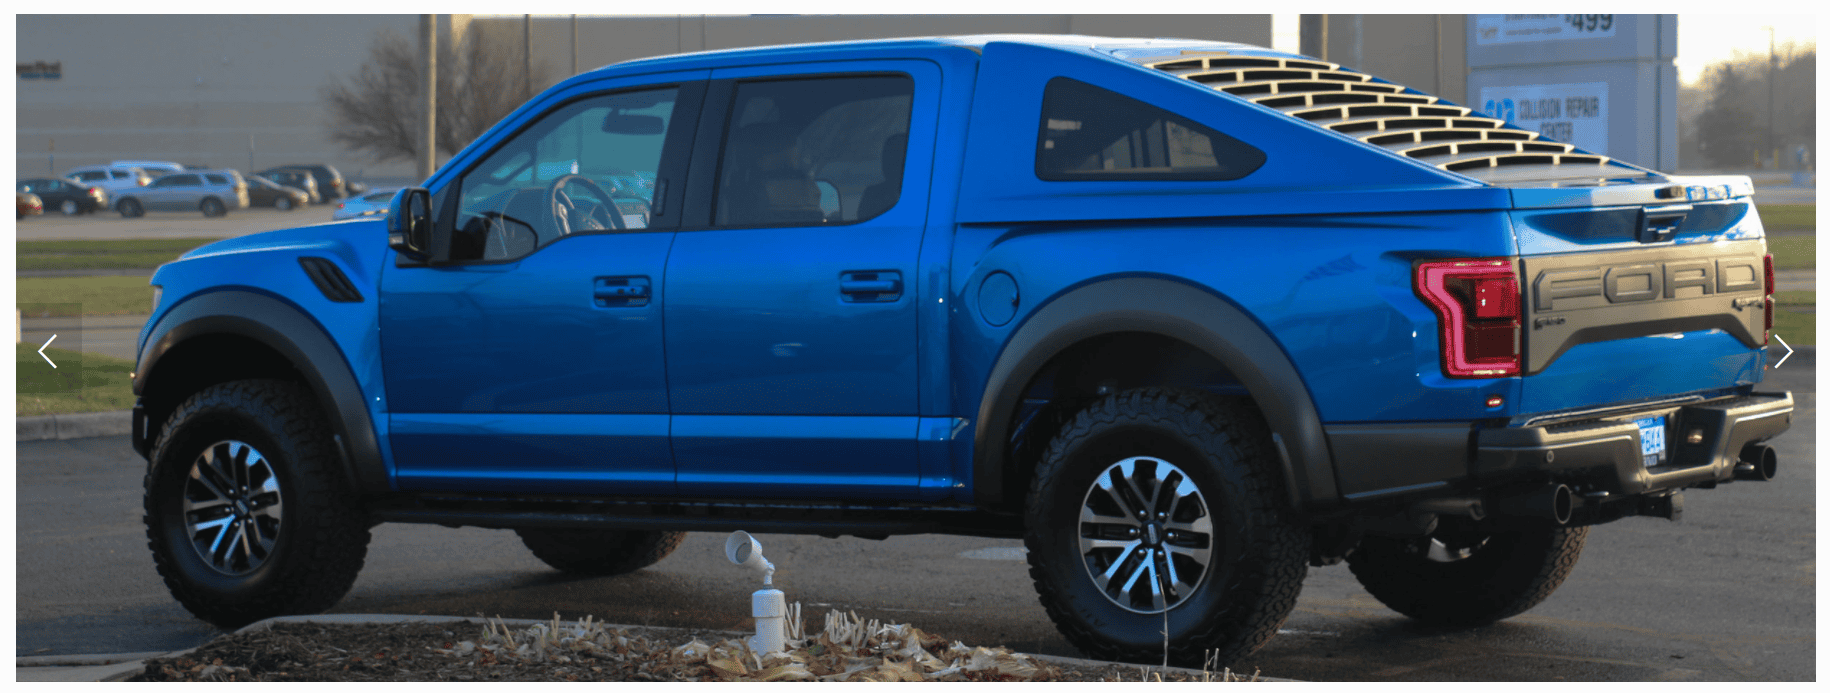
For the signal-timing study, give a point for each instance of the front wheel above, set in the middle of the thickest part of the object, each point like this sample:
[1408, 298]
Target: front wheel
[246, 513]
[1466, 574]
[599, 551]
[1160, 509]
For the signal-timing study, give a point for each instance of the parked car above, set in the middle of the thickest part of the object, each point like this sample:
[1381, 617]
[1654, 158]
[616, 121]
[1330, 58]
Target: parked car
[330, 182]
[295, 178]
[111, 178]
[28, 204]
[366, 205]
[266, 193]
[65, 195]
[152, 168]
[1184, 317]
[212, 192]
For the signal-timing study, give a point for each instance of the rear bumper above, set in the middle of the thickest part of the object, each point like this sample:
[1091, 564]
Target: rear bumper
[1606, 453]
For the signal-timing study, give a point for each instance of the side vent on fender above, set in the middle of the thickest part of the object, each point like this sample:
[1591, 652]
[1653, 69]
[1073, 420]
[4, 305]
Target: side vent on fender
[330, 280]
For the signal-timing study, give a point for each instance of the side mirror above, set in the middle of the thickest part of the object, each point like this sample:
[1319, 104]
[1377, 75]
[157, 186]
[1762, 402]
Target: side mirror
[410, 224]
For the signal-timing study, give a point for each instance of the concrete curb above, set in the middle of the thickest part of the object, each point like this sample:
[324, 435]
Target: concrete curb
[68, 426]
[120, 667]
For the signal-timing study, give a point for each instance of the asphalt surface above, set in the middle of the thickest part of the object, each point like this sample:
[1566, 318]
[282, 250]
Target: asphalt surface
[1728, 594]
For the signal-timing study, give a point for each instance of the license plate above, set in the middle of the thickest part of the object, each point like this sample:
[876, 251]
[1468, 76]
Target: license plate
[1652, 440]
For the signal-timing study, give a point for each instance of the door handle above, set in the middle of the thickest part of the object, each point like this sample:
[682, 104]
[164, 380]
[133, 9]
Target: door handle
[870, 287]
[620, 292]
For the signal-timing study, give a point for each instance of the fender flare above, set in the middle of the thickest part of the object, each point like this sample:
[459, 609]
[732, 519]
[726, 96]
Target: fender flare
[1172, 309]
[289, 331]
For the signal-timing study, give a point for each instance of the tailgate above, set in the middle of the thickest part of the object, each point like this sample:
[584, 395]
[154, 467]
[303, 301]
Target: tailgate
[1642, 292]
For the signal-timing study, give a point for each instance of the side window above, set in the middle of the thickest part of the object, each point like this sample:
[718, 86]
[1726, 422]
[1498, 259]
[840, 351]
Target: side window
[1089, 133]
[217, 179]
[588, 166]
[826, 150]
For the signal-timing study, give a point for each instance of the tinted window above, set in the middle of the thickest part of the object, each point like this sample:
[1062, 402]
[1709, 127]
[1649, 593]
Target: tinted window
[1089, 133]
[814, 151]
[91, 175]
[588, 166]
[217, 179]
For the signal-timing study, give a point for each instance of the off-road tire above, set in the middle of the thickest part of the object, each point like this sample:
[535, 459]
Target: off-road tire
[1259, 555]
[323, 533]
[1515, 570]
[599, 551]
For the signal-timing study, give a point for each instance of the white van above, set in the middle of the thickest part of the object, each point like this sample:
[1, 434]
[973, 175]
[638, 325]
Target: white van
[110, 178]
[152, 168]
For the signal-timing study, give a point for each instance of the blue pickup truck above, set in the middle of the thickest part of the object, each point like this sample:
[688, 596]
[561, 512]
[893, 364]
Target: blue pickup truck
[1187, 317]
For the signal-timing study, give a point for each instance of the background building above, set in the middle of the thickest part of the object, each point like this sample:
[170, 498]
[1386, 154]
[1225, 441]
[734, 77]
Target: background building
[242, 91]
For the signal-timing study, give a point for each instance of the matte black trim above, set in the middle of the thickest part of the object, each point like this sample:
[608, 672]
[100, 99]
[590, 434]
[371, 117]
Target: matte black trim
[1607, 452]
[330, 281]
[704, 515]
[702, 172]
[1171, 309]
[1582, 298]
[1371, 458]
[301, 341]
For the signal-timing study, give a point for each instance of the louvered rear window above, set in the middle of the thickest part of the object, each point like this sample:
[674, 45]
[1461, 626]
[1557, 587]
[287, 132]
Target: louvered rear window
[1402, 120]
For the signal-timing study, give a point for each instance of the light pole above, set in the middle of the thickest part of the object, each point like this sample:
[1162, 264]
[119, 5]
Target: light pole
[1772, 61]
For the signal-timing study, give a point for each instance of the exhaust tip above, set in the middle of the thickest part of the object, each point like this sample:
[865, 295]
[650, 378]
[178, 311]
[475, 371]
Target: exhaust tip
[1562, 504]
[1758, 463]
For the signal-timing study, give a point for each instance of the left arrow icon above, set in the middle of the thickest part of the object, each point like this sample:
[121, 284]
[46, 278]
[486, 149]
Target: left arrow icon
[47, 344]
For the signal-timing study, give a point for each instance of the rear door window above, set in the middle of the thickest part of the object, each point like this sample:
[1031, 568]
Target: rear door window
[809, 151]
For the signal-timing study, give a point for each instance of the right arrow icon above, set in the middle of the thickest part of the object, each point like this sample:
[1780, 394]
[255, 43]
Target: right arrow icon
[1782, 359]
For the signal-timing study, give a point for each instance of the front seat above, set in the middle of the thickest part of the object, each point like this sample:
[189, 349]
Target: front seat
[768, 187]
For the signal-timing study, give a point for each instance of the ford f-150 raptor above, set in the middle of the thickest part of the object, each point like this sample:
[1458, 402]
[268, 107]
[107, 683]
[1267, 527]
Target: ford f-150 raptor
[1187, 317]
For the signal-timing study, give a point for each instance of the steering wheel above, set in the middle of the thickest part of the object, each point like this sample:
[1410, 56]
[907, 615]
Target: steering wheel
[566, 212]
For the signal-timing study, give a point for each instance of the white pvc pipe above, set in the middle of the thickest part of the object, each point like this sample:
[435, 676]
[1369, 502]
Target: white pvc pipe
[769, 606]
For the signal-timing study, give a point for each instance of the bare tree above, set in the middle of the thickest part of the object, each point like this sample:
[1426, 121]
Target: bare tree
[1729, 128]
[480, 80]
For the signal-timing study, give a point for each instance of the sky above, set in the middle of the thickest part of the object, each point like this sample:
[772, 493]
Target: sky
[1702, 38]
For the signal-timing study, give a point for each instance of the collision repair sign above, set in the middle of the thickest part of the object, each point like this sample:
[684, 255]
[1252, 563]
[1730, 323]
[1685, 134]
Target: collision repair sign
[1572, 113]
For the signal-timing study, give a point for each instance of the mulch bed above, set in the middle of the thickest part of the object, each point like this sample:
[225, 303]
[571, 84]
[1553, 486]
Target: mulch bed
[850, 650]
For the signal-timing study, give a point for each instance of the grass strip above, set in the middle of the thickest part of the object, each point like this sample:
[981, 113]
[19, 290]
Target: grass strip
[1793, 252]
[144, 253]
[1797, 329]
[1788, 217]
[81, 382]
[59, 297]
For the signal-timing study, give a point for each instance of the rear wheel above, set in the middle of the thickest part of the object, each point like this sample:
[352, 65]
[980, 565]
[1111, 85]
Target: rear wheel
[599, 551]
[70, 208]
[246, 513]
[212, 207]
[131, 208]
[1466, 574]
[1163, 509]
[282, 203]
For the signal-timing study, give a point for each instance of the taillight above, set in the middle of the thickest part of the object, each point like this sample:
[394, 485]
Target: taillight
[1767, 337]
[1476, 302]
